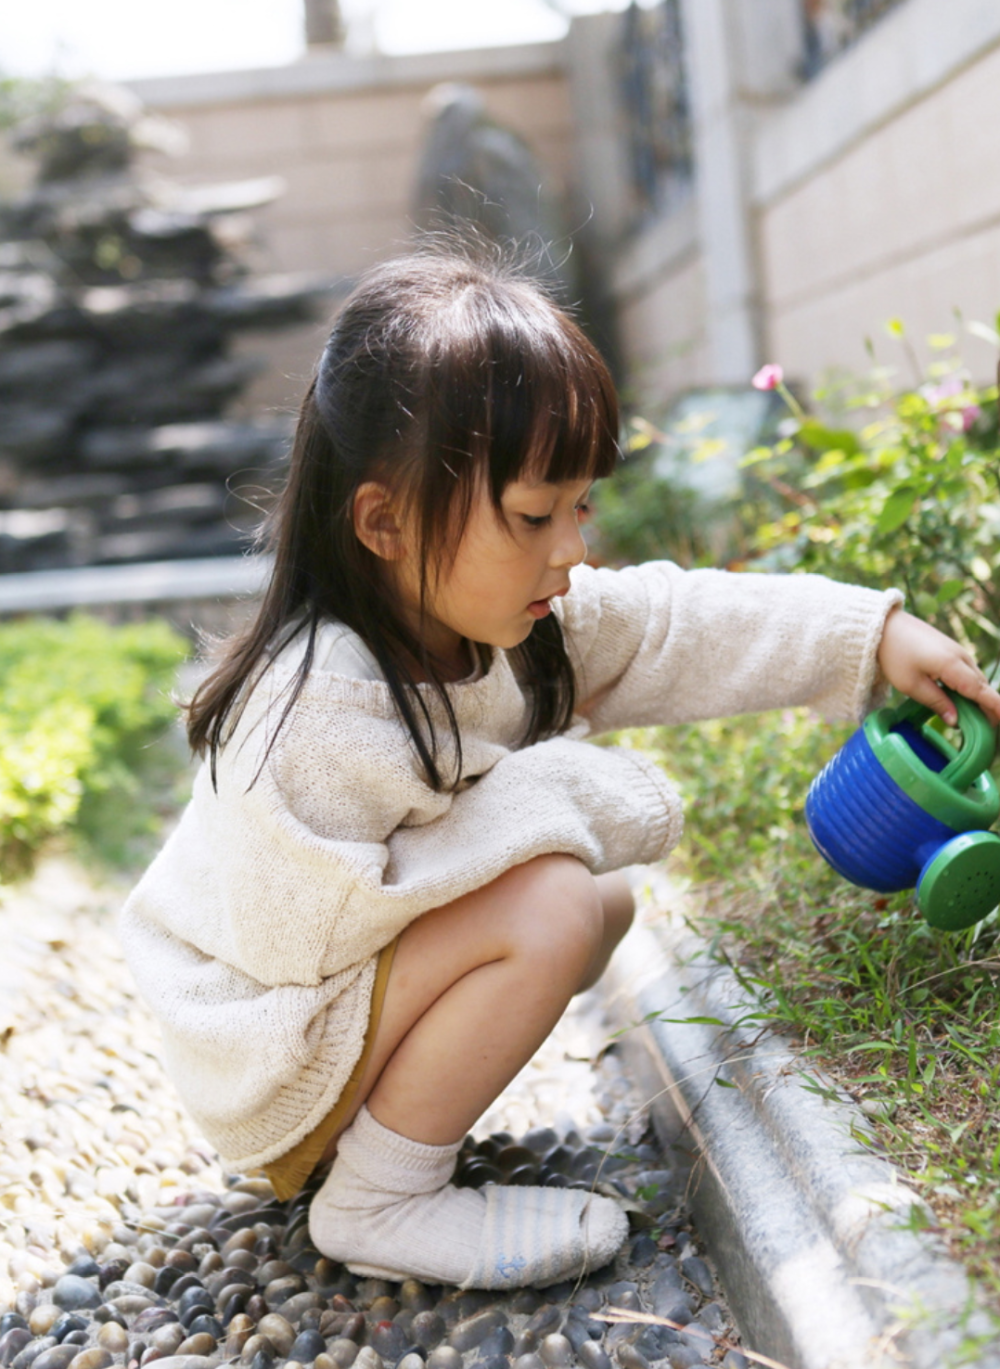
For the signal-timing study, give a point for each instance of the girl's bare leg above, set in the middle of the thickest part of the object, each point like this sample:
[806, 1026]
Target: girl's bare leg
[617, 910]
[476, 987]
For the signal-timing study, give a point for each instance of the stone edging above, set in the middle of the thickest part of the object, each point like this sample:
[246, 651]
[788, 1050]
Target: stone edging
[807, 1225]
[147, 582]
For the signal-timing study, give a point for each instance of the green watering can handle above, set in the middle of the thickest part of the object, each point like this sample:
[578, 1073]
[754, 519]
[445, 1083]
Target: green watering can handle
[979, 738]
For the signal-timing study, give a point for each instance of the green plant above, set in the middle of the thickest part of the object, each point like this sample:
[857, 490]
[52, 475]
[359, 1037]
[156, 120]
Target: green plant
[81, 702]
[24, 97]
[744, 781]
[680, 492]
[901, 1016]
[896, 487]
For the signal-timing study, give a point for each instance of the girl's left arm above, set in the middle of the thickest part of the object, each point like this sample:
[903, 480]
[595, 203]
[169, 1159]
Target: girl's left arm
[657, 644]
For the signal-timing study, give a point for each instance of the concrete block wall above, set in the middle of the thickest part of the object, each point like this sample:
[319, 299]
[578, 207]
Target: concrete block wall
[661, 293]
[894, 211]
[868, 194]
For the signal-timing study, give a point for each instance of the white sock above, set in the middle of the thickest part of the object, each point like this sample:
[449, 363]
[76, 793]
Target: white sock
[387, 1210]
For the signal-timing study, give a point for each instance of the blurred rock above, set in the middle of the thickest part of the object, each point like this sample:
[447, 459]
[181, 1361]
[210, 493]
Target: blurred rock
[120, 293]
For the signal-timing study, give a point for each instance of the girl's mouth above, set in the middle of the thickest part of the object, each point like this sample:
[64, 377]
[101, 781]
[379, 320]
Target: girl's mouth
[540, 608]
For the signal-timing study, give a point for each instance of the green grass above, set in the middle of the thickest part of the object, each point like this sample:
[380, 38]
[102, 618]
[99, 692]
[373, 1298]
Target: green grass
[904, 1017]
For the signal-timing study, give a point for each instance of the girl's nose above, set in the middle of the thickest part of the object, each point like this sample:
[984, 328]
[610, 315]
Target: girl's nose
[569, 549]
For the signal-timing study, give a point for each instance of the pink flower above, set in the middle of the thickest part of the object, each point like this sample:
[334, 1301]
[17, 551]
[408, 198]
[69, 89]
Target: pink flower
[769, 377]
[938, 395]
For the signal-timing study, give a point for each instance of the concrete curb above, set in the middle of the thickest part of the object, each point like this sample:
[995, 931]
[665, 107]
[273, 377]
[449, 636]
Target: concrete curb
[147, 582]
[809, 1228]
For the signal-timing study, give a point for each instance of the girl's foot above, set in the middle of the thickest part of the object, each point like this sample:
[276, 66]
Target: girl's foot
[387, 1210]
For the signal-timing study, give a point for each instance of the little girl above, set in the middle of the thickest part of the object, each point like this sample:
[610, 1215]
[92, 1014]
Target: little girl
[401, 858]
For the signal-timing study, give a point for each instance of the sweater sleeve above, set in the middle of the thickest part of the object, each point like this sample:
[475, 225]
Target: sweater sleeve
[336, 847]
[655, 644]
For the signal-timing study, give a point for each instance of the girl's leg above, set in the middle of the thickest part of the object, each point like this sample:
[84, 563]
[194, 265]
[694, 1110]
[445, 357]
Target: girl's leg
[617, 911]
[475, 988]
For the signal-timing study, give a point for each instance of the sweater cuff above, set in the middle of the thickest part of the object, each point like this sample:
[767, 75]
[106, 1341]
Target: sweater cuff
[666, 823]
[873, 688]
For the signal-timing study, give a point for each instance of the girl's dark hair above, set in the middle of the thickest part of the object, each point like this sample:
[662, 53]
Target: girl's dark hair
[443, 375]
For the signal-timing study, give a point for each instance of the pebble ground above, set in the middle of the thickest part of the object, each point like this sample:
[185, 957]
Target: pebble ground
[122, 1241]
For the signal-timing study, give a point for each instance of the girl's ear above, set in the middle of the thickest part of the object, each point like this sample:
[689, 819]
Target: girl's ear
[376, 522]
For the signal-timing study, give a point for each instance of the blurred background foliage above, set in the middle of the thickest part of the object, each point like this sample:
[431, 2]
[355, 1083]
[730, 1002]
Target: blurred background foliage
[85, 717]
[879, 481]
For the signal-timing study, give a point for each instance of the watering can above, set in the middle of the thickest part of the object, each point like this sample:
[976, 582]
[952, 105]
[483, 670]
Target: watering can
[898, 807]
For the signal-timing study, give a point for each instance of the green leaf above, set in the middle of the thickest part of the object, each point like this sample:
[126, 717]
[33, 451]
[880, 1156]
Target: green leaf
[756, 456]
[896, 509]
[950, 590]
[823, 439]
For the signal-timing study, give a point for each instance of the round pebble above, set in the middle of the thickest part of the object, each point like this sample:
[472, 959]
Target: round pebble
[166, 1339]
[555, 1351]
[95, 1358]
[201, 1343]
[12, 1342]
[499, 1342]
[43, 1318]
[205, 1325]
[343, 1352]
[306, 1346]
[113, 1337]
[56, 1357]
[68, 1324]
[72, 1292]
[278, 1331]
[257, 1345]
[444, 1357]
[592, 1356]
[471, 1331]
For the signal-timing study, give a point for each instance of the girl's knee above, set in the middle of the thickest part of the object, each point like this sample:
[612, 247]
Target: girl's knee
[561, 915]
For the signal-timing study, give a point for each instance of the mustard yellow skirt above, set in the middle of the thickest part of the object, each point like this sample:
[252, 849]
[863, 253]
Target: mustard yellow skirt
[291, 1171]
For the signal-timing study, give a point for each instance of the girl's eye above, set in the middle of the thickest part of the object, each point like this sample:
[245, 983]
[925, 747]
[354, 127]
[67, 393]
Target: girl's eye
[583, 512]
[537, 522]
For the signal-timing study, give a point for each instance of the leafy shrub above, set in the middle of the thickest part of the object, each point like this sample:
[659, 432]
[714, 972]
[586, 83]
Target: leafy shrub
[80, 700]
[744, 783]
[880, 484]
[681, 491]
[896, 487]
[879, 487]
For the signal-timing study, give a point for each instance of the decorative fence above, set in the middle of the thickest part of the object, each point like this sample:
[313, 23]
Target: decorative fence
[654, 94]
[832, 25]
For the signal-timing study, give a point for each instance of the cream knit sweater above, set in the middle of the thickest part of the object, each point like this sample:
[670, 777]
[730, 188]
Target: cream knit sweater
[254, 933]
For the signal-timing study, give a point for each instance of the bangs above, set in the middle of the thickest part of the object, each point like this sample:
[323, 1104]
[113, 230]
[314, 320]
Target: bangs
[519, 391]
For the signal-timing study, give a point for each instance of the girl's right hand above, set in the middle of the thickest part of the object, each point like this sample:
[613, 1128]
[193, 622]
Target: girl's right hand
[918, 659]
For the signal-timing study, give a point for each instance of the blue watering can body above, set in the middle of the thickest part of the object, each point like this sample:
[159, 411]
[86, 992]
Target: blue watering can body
[899, 808]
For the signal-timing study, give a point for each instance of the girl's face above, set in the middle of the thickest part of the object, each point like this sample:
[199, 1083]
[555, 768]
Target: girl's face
[506, 572]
